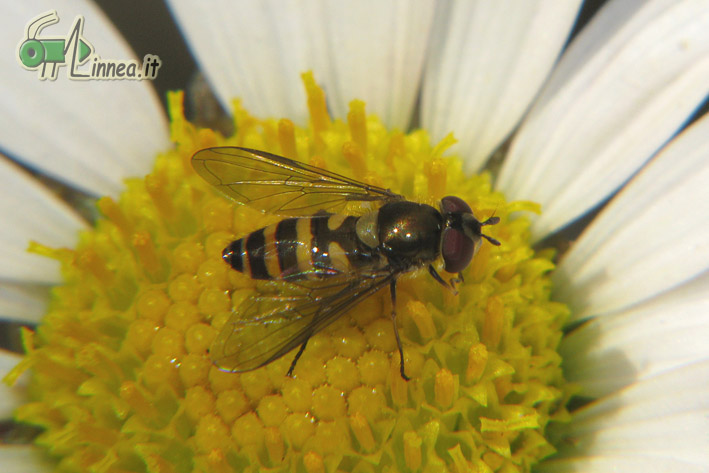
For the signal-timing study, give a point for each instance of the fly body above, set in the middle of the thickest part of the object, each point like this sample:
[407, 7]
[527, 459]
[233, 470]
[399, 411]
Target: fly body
[332, 260]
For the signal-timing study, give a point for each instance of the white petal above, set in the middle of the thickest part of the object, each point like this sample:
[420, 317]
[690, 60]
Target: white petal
[23, 302]
[663, 333]
[10, 396]
[24, 459]
[653, 236]
[374, 51]
[247, 51]
[625, 86]
[660, 424]
[486, 62]
[90, 134]
[31, 212]
[257, 50]
[631, 463]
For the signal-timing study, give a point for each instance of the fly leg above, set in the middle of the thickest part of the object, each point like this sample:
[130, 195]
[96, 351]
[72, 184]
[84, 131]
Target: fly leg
[297, 356]
[456, 280]
[392, 288]
[451, 285]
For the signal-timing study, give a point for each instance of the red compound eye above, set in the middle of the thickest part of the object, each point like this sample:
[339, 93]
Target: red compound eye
[452, 204]
[457, 250]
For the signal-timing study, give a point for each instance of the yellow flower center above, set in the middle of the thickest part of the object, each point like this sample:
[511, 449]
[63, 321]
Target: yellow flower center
[122, 376]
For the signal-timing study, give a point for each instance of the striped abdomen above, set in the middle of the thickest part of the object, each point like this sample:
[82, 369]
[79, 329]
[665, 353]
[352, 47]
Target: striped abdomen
[296, 248]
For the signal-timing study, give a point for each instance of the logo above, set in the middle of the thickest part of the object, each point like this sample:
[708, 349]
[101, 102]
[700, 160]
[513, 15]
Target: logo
[47, 54]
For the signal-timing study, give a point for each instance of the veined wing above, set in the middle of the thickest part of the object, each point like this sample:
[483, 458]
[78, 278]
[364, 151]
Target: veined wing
[267, 327]
[279, 185]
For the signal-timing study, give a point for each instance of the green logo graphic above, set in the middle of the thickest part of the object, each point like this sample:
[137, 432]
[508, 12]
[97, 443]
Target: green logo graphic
[47, 54]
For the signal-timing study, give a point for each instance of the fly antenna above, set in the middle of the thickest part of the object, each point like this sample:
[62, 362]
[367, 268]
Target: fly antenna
[490, 221]
[490, 239]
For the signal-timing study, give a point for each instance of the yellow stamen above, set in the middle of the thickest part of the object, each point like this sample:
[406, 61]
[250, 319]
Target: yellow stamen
[62, 255]
[357, 121]
[198, 402]
[217, 215]
[317, 106]
[274, 444]
[145, 248]
[256, 384]
[461, 464]
[181, 316]
[27, 337]
[354, 156]
[412, 450]
[152, 305]
[350, 342]
[444, 388]
[447, 141]
[362, 432]
[494, 322]
[157, 463]
[217, 462]
[162, 371]
[297, 395]
[93, 359]
[313, 463]
[91, 262]
[373, 366]
[397, 149]
[231, 404]
[132, 394]
[328, 403]
[155, 184]
[272, 410]
[169, 343]
[399, 387]
[199, 337]
[368, 401]
[298, 428]
[248, 430]
[194, 370]
[342, 373]
[422, 318]
[213, 434]
[477, 360]
[286, 138]
[113, 212]
[437, 172]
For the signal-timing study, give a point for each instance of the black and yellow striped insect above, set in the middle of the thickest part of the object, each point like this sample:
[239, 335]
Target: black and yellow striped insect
[332, 261]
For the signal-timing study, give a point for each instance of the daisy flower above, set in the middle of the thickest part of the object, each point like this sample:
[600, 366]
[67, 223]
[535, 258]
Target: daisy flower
[592, 358]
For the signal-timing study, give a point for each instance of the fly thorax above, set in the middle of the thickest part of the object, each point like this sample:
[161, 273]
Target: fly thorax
[409, 231]
[367, 229]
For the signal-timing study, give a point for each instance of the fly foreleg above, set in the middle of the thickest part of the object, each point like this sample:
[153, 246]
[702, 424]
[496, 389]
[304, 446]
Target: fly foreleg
[448, 285]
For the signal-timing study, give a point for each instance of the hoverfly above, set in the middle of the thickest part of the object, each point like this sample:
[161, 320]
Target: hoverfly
[333, 261]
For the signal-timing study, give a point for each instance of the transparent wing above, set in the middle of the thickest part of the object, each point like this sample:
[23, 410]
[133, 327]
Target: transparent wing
[266, 327]
[279, 185]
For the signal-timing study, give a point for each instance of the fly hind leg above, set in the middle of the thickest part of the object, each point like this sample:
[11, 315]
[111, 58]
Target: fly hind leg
[392, 288]
[297, 357]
